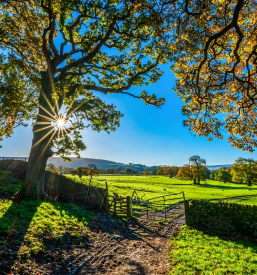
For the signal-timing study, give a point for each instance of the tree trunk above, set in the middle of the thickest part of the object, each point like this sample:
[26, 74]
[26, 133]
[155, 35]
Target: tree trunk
[194, 181]
[249, 183]
[43, 132]
[198, 181]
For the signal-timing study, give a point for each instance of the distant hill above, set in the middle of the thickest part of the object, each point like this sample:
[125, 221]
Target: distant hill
[104, 164]
[215, 167]
[100, 163]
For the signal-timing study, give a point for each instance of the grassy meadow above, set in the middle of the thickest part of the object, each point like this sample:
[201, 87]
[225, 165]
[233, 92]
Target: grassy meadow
[153, 186]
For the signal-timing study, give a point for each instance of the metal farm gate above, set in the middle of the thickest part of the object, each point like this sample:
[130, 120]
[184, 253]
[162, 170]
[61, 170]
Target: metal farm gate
[160, 208]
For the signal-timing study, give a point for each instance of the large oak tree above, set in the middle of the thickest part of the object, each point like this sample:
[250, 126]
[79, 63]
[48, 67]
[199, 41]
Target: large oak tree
[195, 170]
[56, 55]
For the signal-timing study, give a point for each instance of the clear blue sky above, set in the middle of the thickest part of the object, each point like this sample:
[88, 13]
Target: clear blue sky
[147, 135]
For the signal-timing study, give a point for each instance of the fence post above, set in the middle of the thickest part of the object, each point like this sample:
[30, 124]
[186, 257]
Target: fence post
[186, 203]
[129, 210]
[107, 198]
[114, 204]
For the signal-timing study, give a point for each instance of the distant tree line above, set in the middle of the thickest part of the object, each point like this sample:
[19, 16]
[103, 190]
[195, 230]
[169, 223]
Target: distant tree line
[242, 171]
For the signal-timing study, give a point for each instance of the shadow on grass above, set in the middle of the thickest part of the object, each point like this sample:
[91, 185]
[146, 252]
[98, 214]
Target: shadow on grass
[13, 227]
[32, 229]
[238, 239]
[224, 187]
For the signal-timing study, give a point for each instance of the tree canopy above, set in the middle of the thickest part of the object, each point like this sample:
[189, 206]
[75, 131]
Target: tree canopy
[146, 172]
[57, 56]
[52, 168]
[215, 54]
[21, 60]
[244, 171]
[195, 170]
[223, 175]
[85, 46]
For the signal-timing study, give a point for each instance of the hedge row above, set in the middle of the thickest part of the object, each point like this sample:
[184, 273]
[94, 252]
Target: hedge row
[223, 218]
[62, 188]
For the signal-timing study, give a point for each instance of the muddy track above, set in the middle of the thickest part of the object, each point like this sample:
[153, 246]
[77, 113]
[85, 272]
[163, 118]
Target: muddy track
[138, 247]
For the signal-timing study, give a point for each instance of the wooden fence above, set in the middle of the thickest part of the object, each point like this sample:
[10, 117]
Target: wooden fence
[120, 205]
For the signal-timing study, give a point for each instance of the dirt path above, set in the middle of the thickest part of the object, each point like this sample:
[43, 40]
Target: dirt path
[114, 247]
[135, 248]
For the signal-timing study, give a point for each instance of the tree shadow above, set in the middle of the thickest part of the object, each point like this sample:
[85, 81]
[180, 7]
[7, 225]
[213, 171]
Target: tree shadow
[224, 187]
[57, 248]
[14, 225]
[21, 240]
[238, 239]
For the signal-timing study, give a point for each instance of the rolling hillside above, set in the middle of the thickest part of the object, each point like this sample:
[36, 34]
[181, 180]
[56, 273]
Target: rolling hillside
[100, 163]
[104, 164]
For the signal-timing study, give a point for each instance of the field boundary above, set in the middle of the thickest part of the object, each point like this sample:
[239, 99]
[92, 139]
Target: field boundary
[232, 198]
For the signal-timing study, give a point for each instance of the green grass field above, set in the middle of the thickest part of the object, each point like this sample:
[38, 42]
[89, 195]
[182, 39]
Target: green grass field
[196, 253]
[153, 186]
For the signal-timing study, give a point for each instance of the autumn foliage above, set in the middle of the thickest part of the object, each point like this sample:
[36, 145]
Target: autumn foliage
[195, 170]
[215, 55]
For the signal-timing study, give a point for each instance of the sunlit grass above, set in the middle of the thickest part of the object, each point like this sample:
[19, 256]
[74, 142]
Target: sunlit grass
[153, 186]
[34, 224]
[193, 252]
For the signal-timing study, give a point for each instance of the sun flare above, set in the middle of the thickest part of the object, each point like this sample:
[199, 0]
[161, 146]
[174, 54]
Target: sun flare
[60, 123]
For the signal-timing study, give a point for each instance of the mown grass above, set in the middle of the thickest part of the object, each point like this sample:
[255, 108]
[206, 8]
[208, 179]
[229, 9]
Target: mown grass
[31, 226]
[193, 252]
[153, 186]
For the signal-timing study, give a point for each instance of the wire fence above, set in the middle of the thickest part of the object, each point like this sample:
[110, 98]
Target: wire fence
[14, 158]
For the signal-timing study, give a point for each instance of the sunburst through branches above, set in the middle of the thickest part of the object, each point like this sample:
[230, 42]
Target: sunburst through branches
[60, 122]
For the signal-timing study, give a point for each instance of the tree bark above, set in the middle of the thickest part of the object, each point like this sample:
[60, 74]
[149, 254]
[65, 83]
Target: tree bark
[43, 132]
[194, 181]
